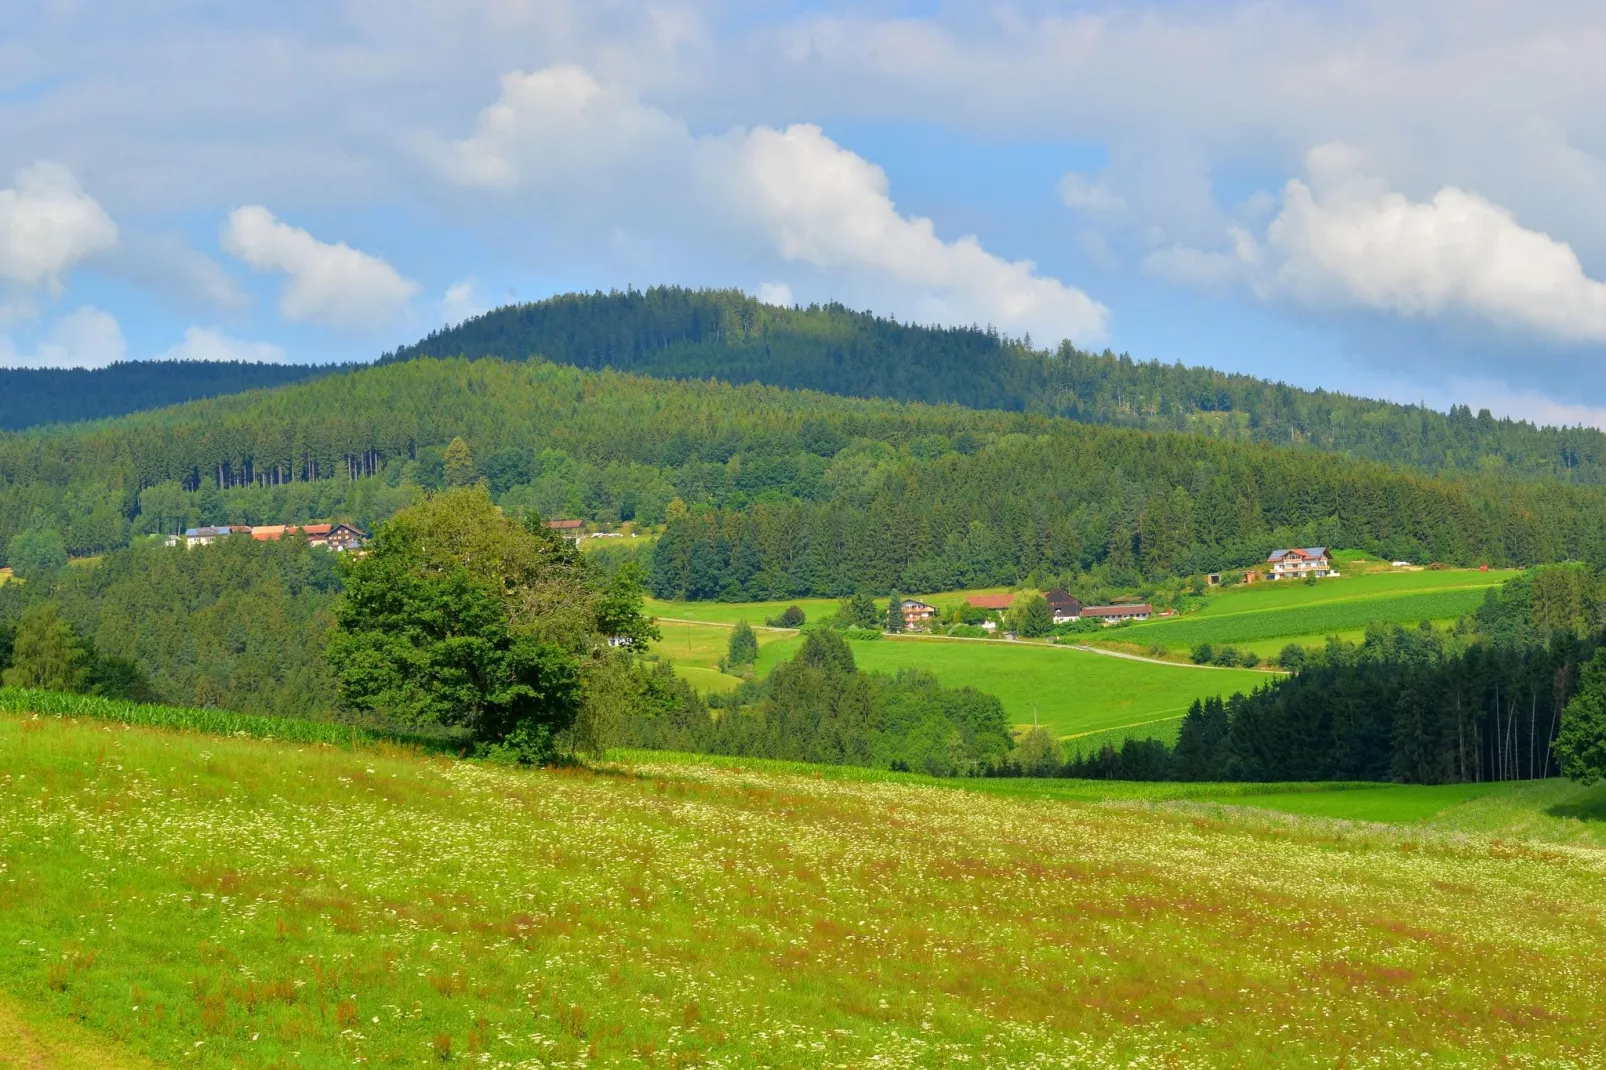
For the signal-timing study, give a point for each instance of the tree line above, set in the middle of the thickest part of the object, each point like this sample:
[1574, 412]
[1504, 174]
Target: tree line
[766, 492]
[30, 397]
[683, 333]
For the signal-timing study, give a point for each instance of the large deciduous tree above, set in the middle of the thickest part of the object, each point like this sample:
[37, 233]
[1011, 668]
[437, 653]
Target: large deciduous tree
[460, 616]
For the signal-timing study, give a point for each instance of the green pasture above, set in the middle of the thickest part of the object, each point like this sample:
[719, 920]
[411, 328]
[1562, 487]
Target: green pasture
[1076, 693]
[1286, 612]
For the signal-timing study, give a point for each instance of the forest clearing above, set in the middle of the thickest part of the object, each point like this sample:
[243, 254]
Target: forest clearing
[224, 901]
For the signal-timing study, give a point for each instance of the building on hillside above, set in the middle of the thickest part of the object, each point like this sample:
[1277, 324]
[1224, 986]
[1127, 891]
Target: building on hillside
[1063, 605]
[206, 536]
[1251, 576]
[1118, 614]
[1213, 579]
[991, 602]
[573, 530]
[618, 641]
[1298, 563]
[337, 537]
[917, 614]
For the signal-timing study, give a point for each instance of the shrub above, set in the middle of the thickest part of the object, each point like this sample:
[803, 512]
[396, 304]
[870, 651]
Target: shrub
[790, 617]
[1203, 654]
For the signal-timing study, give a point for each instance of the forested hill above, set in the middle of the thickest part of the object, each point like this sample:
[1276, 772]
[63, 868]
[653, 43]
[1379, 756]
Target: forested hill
[679, 333]
[765, 492]
[33, 396]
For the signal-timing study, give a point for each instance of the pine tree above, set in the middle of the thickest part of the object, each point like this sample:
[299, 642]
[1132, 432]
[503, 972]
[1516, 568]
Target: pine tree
[743, 650]
[895, 614]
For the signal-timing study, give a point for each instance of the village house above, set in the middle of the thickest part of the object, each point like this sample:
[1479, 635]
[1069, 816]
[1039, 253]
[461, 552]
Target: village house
[1118, 614]
[1296, 564]
[337, 537]
[573, 530]
[917, 614]
[206, 536]
[1063, 605]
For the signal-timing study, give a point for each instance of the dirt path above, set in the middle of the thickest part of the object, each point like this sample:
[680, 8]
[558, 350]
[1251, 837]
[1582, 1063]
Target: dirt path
[31, 1040]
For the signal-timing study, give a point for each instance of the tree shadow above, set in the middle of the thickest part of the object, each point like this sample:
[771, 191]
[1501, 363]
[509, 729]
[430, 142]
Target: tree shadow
[1588, 805]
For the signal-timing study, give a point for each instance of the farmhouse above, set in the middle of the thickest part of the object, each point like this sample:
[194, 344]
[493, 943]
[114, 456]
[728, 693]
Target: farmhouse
[998, 602]
[917, 614]
[337, 537]
[206, 536]
[1117, 614]
[1063, 605]
[573, 530]
[1298, 563]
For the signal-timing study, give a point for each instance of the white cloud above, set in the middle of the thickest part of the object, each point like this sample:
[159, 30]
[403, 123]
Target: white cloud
[776, 293]
[1346, 239]
[83, 338]
[333, 285]
[794, 193]
[48, 224]
[207, 343]
[460, 303]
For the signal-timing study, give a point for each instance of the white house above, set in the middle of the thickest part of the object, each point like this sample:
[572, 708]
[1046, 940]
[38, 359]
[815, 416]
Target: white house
[1298, 563]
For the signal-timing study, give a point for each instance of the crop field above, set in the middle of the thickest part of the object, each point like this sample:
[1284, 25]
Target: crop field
[816, 609]
[220, 902]
[1261, 613]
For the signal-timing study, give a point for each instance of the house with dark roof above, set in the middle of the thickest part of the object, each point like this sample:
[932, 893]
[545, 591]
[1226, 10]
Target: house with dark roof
[1298, 563]
[1064, 605]
[917, 614]
[573, 530]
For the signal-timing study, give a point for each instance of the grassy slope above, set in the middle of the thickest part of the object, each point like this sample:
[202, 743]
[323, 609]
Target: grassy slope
[227, 902]
[1263, 612]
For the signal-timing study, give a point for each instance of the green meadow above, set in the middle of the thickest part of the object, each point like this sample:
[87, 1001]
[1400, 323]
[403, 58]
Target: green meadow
[178, 898]
[1262, 614]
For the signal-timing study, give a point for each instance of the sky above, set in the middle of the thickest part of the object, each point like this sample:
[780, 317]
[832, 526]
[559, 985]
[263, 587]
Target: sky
[1395, 200]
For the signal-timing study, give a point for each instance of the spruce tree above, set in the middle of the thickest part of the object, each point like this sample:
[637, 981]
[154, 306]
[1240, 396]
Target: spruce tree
[895, 614]
[743, 650]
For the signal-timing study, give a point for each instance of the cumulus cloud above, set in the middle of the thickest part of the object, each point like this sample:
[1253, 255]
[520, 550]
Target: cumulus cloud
[793, 192]
[206, 343]
[1345, 238]
[329, 284]
[48, 224]
[83, 338]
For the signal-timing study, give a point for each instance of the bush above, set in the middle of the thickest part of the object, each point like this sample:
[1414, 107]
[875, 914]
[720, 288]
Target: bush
[1203, 654]
[967, 631]
[1227, 657]
[863, 635]
[743, 650]
[1292, 657]
[790, 617]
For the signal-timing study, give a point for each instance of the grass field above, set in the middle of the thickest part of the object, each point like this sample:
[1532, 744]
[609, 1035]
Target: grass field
[1260, 615]
[220, 902]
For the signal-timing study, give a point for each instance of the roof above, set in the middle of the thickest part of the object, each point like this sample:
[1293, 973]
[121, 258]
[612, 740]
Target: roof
[1142, 608]
[1307, 551]
[267, 532]
[1057, 597]
[915, 603]
[565, 525]
[991, 601]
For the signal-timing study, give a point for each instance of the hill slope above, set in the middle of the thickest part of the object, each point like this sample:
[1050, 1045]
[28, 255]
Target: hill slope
[805, 493]
[33, 396]
[221, 902]
[680, 333]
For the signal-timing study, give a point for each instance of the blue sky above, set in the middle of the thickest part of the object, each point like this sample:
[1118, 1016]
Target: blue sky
[1400, 203]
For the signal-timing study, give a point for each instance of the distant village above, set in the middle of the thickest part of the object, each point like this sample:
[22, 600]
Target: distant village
[1300, 563]
[337, 537]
